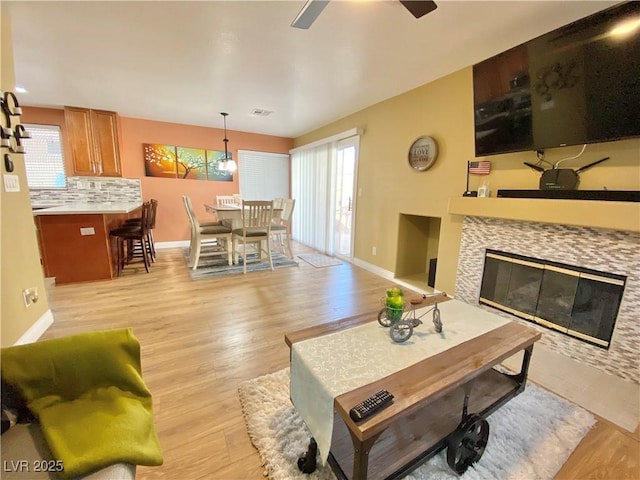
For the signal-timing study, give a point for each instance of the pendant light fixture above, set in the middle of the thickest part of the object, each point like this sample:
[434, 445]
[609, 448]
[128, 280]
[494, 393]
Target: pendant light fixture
[228, 164]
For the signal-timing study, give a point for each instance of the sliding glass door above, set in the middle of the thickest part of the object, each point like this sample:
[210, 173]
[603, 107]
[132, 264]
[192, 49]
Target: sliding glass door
[345, 179]
[322, 182]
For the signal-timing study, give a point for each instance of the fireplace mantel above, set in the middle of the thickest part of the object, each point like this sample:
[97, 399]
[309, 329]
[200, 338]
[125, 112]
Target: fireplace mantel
[623, 216]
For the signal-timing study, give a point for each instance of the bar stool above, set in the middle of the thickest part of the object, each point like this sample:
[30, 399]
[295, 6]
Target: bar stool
[132, 234]
[151, 245]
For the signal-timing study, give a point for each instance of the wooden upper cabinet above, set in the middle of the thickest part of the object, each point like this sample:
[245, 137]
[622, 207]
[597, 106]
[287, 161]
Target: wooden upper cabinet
[105, 138]
[93, 136]
[78, 121]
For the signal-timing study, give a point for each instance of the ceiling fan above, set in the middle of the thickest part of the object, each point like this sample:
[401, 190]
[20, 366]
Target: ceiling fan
[313, 8]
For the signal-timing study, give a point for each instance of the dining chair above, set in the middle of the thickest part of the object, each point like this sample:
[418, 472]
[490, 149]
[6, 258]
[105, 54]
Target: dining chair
[281, 226]
[212, 235]
[237, 199]
[278, 203]
[257, 216]
[225, 200]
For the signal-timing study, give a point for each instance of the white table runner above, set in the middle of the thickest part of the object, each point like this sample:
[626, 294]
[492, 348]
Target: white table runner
[325, 367]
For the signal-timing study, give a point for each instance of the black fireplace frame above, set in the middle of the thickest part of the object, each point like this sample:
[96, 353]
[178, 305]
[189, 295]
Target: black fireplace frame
[491, 293]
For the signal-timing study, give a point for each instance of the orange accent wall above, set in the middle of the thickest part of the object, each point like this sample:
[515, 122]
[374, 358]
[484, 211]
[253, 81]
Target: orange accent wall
[171, 220]
[172, 223]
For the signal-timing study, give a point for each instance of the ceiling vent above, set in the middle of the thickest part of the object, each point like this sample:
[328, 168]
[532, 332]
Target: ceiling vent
[259, 112]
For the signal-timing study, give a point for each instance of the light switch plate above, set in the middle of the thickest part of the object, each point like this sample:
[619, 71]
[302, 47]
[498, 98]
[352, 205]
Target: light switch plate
[11, 183]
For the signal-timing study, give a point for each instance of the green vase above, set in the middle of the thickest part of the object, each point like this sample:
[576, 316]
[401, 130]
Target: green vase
[394, 303]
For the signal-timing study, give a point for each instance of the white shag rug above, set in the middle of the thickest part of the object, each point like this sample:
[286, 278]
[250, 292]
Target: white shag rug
[531, 437]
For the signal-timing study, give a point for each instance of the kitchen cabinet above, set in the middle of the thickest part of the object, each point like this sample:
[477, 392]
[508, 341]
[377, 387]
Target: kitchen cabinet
[93, 137]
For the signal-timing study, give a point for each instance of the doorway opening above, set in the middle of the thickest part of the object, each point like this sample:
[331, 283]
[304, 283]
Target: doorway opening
[417, 257]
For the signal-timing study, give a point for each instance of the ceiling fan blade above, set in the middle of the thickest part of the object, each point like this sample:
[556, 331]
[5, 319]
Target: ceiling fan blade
[309, 13]
[419, 8]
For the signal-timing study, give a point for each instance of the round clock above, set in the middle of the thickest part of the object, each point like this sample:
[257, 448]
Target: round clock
[423, 153]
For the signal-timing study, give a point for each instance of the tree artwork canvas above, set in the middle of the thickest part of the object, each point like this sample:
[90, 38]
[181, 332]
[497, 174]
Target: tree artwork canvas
[169, 161]
[191, 163]
[213, 157]
[159, 160]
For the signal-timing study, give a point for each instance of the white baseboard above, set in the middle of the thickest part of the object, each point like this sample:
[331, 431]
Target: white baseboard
[37, 329]
[176, 244]
[381, 272]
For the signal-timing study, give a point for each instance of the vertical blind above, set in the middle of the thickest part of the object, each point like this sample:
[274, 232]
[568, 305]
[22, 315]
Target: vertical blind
[263, 176]
[43, 159]
[311, 187]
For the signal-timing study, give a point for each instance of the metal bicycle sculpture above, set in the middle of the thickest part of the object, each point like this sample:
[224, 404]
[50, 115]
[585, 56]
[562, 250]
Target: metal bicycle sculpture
[401, 320]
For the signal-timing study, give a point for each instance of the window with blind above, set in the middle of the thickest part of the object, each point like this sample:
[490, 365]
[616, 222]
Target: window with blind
[263, 176]
[44, 160]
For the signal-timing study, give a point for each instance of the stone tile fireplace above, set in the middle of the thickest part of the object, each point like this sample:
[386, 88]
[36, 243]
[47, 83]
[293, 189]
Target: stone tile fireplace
[591, 250]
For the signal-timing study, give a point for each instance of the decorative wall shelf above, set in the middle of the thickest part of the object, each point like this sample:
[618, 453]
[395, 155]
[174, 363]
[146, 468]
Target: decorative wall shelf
[597, 214]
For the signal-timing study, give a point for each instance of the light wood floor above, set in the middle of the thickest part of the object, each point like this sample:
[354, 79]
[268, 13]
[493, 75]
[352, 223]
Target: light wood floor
[200, 339]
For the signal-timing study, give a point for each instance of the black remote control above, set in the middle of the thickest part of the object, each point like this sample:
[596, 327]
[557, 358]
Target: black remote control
[370, 406]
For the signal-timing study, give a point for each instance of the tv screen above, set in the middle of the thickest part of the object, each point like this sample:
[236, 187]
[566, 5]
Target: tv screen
[575, 85]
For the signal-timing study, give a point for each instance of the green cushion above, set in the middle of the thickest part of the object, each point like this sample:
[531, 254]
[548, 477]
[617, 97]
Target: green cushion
[88, 394]
[250, 233]
[213, 229]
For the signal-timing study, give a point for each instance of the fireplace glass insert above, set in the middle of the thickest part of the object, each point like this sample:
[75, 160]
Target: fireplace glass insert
[577, 301]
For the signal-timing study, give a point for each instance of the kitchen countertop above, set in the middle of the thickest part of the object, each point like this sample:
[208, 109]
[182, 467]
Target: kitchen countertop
[89, 208]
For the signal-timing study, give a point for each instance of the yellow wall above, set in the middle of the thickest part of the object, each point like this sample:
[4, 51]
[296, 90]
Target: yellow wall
[443, 110]
[20, 260]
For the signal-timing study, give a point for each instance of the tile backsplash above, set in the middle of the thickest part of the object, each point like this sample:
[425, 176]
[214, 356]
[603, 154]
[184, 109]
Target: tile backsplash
[89, 190]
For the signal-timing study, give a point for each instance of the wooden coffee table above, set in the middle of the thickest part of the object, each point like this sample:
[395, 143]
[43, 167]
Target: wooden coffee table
[432, 399]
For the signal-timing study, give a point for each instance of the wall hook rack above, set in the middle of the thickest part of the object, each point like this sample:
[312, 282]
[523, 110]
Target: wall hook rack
[8, 164]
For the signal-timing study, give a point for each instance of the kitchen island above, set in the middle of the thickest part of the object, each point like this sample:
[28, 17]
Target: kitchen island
[74, 239]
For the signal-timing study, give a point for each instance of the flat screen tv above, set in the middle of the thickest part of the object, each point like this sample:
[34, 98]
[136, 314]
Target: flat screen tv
[576, 85]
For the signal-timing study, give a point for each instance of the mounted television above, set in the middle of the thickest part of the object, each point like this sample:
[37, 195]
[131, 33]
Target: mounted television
[575, 85]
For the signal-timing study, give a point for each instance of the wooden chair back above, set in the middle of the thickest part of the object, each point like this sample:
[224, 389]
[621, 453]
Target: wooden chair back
[287, 210]
[225, 200]
[188, 206]
[152, 214]
[257, 216]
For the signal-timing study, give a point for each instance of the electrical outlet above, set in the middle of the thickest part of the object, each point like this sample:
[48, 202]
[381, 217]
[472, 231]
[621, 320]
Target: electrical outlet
[374, 251]
[30, 296]
[11, 183]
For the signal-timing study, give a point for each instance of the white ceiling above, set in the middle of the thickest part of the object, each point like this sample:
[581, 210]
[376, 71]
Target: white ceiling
[186, 62]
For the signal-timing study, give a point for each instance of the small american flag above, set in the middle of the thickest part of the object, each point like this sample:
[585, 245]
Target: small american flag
[480, 168]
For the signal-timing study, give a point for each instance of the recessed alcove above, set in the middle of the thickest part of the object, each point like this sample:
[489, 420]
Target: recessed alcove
[418, 241]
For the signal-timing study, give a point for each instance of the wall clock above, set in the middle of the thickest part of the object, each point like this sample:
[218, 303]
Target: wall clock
[423, 153]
